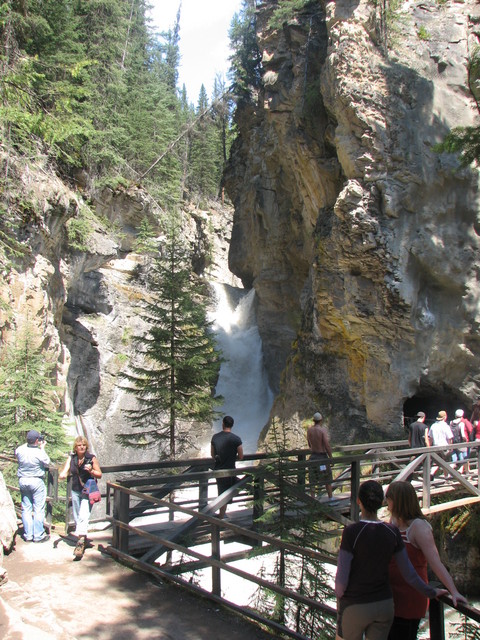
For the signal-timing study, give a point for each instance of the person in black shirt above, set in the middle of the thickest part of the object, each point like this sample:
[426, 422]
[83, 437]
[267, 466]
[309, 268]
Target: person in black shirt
[226, 448]
[416, 432]
[364, 595]
[81, 465]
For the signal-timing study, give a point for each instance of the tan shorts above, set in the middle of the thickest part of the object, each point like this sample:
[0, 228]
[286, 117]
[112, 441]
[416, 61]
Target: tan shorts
[373, 619]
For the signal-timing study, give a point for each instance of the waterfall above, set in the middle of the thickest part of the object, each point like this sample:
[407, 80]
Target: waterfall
[242, 381]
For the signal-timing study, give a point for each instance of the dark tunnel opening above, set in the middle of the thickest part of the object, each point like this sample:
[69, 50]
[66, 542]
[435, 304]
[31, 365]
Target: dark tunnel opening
[431, 401]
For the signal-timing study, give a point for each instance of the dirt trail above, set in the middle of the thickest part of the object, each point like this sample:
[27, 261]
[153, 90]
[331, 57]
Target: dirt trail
[49, 596]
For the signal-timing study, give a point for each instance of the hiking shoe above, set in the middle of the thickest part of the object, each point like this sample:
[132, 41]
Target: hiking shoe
[45, 538]
[79, 549]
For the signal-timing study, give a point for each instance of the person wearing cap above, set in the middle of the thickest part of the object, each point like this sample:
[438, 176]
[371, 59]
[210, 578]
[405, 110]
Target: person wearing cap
[465, 425]
[32, 462]
[440, 435]
[319, 444]
[417, 432]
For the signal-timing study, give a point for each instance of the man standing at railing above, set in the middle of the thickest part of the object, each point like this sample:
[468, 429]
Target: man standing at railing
[319, 444]
[32, 462]
[226, 448]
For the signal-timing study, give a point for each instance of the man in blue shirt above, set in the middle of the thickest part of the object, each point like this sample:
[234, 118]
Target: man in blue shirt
[32, 462]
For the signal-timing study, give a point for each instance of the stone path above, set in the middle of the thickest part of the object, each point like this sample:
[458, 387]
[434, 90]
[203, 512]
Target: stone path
[51, 597]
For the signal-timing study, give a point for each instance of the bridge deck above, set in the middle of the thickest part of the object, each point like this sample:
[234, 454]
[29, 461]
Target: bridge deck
[164, 523]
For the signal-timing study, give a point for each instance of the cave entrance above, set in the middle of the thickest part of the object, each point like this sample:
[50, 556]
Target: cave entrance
[431, 401]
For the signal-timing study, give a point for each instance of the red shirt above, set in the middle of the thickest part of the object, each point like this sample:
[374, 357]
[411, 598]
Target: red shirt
[409, 603]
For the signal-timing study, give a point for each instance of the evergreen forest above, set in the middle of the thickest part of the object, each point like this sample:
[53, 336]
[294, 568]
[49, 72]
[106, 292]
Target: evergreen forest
[93, 86]
[90, 89]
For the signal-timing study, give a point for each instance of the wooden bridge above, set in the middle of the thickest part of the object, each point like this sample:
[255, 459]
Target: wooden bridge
[275, 533]
[273, 558]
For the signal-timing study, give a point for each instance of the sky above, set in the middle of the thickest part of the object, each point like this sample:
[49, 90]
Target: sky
[204, 43]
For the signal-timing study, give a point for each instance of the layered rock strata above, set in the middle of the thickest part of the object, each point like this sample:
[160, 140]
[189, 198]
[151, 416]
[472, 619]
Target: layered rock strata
[360, 239]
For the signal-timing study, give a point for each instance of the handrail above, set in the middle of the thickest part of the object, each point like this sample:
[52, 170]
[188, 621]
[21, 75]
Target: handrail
[355, 461]
[215, 562]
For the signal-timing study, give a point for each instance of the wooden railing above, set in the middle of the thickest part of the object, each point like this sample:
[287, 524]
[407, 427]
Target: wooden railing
[131, 498]
[157, 490]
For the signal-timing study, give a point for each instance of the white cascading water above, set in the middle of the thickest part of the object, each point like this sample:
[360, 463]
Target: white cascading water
[242, 381]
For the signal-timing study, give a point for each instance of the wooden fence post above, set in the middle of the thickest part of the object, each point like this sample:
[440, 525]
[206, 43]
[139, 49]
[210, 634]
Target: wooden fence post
[68, 500]
[478, 468]
[52, 494]
[203, 493]
[258, 500]
[427, 469]
[121, 508]
[302, 473]
[436, 620]
[216, 580]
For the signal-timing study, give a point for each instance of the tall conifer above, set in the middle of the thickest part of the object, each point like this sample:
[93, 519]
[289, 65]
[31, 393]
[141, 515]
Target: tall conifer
[28, 399]
[246, 57]
[180, 364]
[205, 152]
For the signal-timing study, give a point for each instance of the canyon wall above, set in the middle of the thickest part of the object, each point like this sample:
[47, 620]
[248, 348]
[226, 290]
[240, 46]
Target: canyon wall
[361, 240]
[85, 306]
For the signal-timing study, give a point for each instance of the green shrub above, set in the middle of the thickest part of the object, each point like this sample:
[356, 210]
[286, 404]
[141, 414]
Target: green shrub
[78, 230]
[423, 33]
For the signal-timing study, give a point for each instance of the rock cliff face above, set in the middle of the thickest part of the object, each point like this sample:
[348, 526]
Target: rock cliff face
[85, 304]
[360, 239]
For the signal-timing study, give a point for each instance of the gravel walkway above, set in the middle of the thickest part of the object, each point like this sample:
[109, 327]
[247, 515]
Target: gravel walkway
[49, 596]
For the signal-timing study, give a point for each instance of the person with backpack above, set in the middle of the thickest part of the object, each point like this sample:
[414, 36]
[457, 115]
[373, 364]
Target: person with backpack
[459, 435]
[468, 432]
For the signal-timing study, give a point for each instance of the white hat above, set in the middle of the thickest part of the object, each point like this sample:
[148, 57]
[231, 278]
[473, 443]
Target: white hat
[317, 417]
[459, 413]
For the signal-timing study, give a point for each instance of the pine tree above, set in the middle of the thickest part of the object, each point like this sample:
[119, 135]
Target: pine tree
[295, 517]
[28, 399]
[43, 68]
[285, 11]
[222, 105]
[180, 364]
[205, 162]
[187, 116]
[146, 242]
[246, 57]
[172, 57]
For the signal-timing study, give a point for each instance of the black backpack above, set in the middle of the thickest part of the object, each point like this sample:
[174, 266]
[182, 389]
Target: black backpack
[457, 433]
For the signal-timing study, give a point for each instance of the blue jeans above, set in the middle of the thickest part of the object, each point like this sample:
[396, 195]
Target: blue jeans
[81, 508]
[34, 495]
[458, 455]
